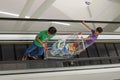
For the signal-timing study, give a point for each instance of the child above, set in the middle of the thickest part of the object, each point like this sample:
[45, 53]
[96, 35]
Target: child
[93, 36]
[39, 44]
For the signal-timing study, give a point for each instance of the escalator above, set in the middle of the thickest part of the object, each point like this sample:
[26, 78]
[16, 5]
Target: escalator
[14, 42]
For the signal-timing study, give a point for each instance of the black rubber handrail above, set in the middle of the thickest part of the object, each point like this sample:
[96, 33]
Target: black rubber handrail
[56, 20]
[64, 60]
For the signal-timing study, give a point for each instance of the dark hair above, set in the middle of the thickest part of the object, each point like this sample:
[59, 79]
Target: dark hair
[99, 29]
[52, 30]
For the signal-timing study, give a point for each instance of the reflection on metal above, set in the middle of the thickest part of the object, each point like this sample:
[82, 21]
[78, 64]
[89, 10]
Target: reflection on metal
[61, 23]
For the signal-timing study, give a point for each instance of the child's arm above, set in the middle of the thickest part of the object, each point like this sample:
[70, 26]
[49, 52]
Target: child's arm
[37, 38]
[87, 26]
[43, 44]
[87, 38]
[84, 38]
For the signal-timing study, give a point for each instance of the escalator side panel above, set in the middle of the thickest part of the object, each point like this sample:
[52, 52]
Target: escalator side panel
[19, 50]
[118, 48]
[92, 52]
[0, 53]
[111, 52]
[7, 52]
[84, 55]
[102, 53]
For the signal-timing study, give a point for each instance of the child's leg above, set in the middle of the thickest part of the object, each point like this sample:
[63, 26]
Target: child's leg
[38, 52]
[41, 50]
[32, 57]
[28, 51]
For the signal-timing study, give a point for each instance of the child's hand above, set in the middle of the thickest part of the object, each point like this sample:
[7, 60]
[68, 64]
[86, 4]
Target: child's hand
[44, 45]
[91, 38]
[80, 33]
[82, 38]
[84, 50]
[83, 21]
[47, 50]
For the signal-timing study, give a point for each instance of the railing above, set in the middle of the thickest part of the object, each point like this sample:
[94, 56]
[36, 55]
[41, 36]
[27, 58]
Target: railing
[56, 20]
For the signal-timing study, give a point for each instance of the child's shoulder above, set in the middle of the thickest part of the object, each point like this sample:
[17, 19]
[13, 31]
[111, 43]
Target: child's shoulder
[44, 31]
[92, 30]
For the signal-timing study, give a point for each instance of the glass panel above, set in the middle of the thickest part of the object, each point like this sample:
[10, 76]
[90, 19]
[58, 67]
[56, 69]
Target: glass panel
[12, 26]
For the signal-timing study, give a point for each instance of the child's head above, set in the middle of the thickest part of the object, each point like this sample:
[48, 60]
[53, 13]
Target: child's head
[98, 30]
[52, 30]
